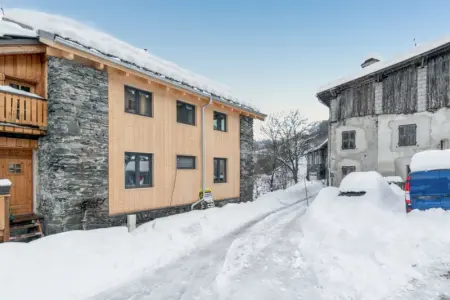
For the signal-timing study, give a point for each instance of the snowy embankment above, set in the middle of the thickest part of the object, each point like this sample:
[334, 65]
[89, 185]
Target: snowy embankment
[78, 264]
[356, 248]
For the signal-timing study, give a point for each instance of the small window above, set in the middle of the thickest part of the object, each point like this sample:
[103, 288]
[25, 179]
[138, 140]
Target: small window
[185, 113]
[347, 170]
[15, 168]
[138, 170]
[220, 170]
[185, 162]
[348, 140]
[407, 135]
[220, 121]
[138, 102]
[20, 86]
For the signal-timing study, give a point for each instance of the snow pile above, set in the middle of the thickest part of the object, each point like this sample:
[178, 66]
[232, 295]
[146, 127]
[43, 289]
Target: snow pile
[360, 250]
[79, 264]
[394, 179]
[97, 41]
[5, 182]
[430, 160]
[8, 29]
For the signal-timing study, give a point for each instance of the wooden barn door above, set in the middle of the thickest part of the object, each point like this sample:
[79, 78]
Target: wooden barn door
[17, 166]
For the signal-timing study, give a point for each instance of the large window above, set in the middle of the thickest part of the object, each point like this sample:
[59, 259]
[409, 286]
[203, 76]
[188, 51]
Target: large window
[185, 162]
[138, 102]
[220, 170]
[407, 135]
[348, 140]
[138, 170]
[185, 113]
[220, 121]
[347, 170]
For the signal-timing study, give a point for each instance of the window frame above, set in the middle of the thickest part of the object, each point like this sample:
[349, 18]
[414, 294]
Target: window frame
[194, 111]
[225, 118]
[186, 156]
[137, 100]
[150, 171]
[19, 83]
[216, 161]
[406, 139]
[349, 141]
[347, 168]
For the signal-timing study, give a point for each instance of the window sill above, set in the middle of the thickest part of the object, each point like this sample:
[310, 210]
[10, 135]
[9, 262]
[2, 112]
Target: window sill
[136, 114]
[219, 182]
[181, 123]
[219, 130]
[138, 187]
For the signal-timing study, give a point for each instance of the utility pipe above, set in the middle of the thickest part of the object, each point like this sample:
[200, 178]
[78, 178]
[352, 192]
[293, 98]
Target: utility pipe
[203, 152]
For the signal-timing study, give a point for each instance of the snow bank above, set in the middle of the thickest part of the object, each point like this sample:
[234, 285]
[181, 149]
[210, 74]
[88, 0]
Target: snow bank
[430, 160]
[360, 250]
[361, 182]
[79, 264]
[394, 179]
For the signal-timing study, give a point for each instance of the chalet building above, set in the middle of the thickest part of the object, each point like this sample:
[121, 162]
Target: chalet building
[389, 110]
[317, 162]
[93, 129]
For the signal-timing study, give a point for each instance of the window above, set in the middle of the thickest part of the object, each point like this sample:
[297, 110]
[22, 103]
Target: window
[220, 170]
[138, 170]
[138, 102]
[185, 162]
[310, 158]
[407, 135]
[15, 168]
[185, 113]
[347, 170]
[22, 86]
[317, 158]
[348, 140]
[220, 121]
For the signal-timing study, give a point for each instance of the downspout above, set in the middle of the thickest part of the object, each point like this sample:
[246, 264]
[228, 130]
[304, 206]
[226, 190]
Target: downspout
[203, 152]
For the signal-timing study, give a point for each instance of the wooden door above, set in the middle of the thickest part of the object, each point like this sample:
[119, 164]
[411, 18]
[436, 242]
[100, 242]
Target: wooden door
[16, 165]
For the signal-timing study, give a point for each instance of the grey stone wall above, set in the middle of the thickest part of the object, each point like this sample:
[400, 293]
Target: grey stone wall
[73, 156]
[247, 159]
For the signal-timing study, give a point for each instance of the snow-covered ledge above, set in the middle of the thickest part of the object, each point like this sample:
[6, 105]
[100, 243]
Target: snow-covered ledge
[11, 90]
[5, 185]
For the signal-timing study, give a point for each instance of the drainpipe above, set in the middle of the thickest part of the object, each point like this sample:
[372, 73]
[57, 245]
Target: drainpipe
[203, 152]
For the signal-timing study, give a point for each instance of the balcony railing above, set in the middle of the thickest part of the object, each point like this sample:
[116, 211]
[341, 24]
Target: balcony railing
[23, 110]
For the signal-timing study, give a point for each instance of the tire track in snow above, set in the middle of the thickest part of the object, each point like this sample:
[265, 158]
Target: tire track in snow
[200, 275]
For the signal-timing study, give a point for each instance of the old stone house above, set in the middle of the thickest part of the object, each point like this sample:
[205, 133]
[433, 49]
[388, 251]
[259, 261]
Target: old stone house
[93, 129]
[389, 110]
[317, 162]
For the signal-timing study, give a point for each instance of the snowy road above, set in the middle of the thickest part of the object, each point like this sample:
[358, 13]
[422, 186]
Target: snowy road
[258, 261]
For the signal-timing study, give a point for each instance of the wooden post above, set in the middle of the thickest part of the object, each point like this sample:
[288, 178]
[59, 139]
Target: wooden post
[4, 218]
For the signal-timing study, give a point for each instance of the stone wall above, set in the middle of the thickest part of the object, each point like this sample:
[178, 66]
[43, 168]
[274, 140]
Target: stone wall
[73, 156]
[247, 159]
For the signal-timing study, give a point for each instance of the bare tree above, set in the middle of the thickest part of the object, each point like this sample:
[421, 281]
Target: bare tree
[290, 136]
[271, 150]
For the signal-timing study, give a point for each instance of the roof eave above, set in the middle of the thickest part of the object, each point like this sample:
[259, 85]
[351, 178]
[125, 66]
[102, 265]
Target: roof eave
[45, 36]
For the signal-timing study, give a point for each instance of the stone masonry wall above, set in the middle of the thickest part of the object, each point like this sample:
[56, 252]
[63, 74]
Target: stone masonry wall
[247, 159]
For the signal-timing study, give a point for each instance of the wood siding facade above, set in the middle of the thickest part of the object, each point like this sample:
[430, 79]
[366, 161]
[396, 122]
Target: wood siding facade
[438, 83]
[165, 138]
[356, 101]
[400, 92]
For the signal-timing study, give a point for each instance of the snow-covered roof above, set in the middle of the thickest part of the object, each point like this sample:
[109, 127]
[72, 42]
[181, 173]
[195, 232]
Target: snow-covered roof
[10, 30]
[318, 146]
[371, 69]
[96, 42]
[11, 90]
[430, 160]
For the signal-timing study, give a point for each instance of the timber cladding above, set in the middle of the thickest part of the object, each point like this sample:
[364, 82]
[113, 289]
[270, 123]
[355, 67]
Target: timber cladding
[163, 137]
[356, 101]
[400, 92]
[438, 82]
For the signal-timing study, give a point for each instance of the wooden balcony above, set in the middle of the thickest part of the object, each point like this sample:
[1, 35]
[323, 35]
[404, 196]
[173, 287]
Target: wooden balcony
[22, 114]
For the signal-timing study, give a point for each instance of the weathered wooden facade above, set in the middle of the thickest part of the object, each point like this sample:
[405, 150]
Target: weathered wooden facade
[389, 112]
[81, 153]
[317, 162]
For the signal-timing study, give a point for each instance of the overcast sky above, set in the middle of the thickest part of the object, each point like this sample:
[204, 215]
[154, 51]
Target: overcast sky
[274, 54]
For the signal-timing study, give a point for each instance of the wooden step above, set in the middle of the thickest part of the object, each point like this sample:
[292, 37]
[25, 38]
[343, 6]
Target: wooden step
[25, 218]
[24, 226]
[25, 236]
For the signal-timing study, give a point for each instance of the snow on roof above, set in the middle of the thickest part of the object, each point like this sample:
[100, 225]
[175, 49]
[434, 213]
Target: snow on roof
[98, 42]
[8, 29]
[394, 179]
[430, 160]
[418, 50]
[372, 55]
[8, 89]
[318, 146]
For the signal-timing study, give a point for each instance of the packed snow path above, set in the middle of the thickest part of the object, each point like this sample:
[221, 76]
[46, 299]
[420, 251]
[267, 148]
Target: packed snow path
[257, 261]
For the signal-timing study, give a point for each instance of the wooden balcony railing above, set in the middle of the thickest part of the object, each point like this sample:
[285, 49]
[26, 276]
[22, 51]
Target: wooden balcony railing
[23, 110]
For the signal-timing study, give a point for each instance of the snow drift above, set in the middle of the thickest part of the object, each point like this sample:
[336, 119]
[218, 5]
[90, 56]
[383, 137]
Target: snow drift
[430, 160]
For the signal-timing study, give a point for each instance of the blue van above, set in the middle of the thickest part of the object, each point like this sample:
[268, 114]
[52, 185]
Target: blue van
[428, 189]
